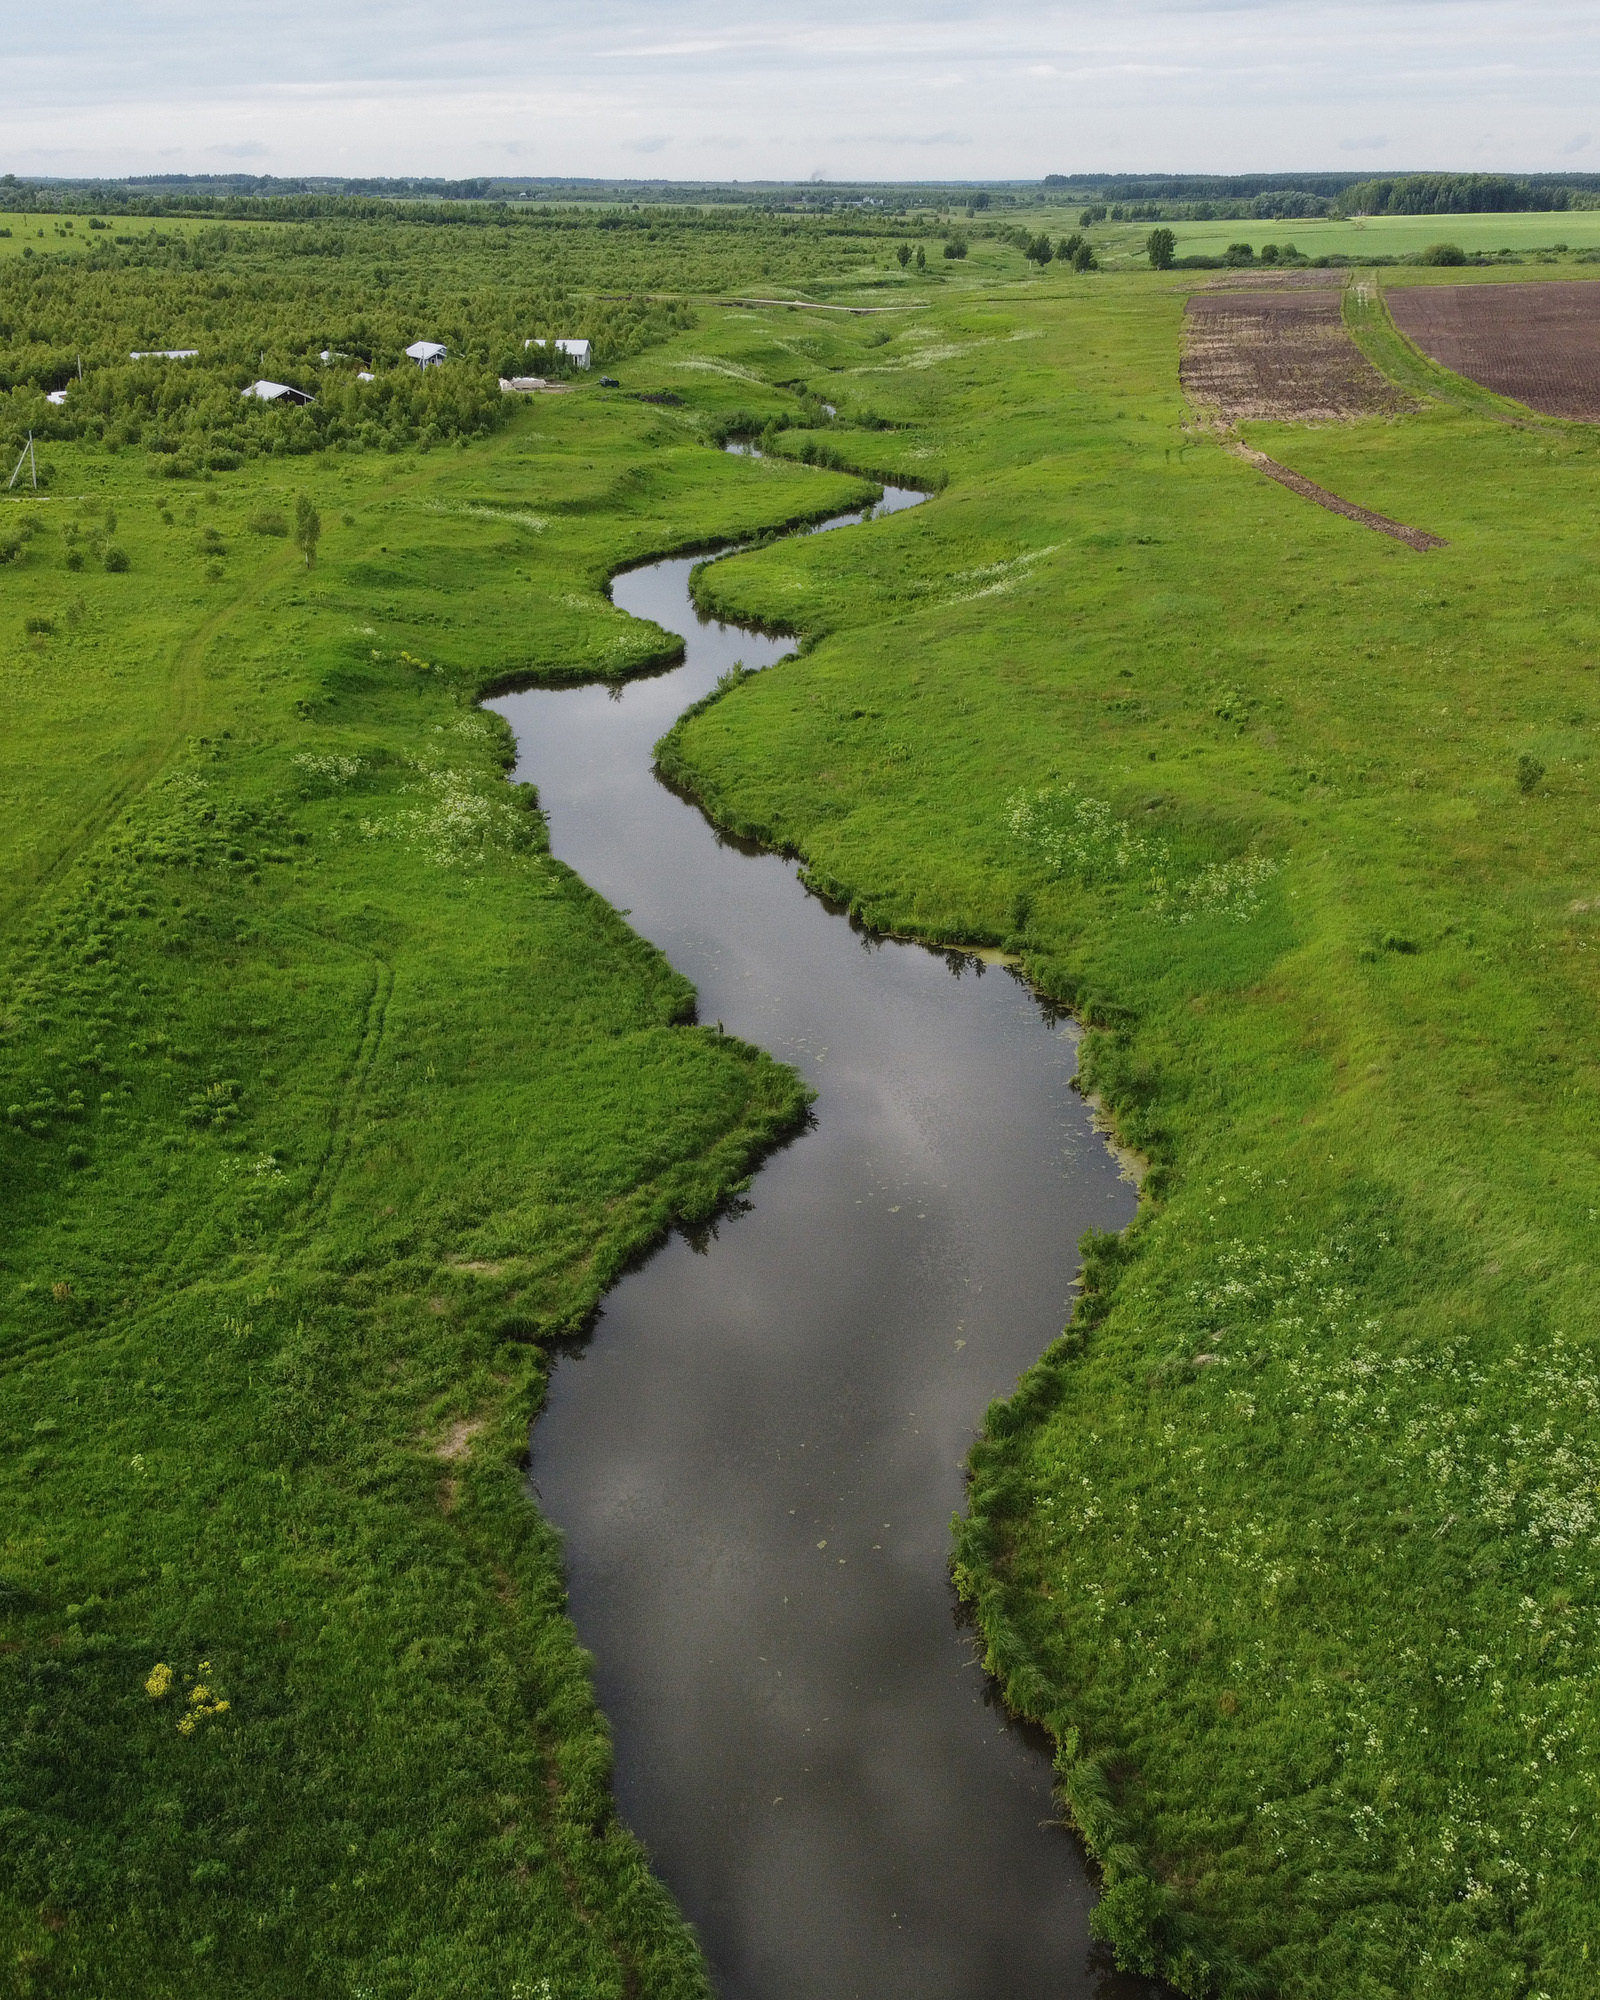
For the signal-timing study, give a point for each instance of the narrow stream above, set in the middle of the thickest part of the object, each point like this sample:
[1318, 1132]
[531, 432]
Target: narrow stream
[756, 1458]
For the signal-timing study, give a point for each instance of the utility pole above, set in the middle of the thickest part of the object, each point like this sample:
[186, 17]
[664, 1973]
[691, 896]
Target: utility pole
[27, 453]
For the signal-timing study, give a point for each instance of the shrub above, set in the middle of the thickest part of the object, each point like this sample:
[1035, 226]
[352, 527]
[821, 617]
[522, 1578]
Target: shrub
[1238, 253]
[1443, 253]
[1269, 253]
[39, 628]
[1529, 772]
[307, 528]
[116, 559]
[956, 247]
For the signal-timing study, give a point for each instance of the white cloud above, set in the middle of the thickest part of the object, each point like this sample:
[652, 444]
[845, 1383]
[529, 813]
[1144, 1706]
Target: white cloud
[1010, 91]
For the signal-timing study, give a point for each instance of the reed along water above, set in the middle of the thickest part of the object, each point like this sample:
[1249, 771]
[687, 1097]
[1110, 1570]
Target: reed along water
[756, 1458]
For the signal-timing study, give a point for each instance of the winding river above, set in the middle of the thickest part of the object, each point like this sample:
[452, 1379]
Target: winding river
[756, 1458]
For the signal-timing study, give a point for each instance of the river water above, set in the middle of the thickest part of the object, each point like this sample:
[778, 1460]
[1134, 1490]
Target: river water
[756, 1458]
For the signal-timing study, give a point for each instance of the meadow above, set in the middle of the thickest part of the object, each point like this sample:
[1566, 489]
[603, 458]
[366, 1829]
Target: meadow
[333, 1103]
[1358, 237]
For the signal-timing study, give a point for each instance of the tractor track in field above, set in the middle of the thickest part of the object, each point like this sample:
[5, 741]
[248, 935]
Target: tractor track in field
[1308, 489]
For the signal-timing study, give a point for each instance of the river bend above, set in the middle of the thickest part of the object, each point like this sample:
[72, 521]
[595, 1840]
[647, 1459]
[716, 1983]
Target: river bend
[756, 1458]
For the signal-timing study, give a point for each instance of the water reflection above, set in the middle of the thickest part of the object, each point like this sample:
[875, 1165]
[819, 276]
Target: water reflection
[756, 1458]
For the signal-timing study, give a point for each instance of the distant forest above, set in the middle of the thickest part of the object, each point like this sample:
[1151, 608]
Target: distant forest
[1114, 197]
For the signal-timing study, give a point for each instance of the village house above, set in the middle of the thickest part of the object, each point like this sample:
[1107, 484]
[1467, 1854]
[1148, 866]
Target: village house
[578, 352]
[276, 392]
[427, 353]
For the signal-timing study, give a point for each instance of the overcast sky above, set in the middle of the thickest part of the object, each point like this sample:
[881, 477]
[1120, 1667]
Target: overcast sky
[729, 89]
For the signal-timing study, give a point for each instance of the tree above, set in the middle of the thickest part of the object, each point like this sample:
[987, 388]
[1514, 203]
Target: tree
[904, 255]
[307, 528]
[956, 247]
[1039, 251]
[1084, 258]
[922, 258]
[1161, 246]
[1068, 247]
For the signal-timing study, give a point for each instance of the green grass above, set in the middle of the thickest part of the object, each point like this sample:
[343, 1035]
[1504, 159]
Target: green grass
[1292, 1542]
[336, 1100]
[333, 1099]
[48, 235]
[1122, 244]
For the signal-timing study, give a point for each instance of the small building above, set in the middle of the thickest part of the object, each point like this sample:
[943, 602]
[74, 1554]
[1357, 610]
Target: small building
[578, 352]
[163, 354]
[365, 375]
[427, 353]
[276, 392]
[57, 396]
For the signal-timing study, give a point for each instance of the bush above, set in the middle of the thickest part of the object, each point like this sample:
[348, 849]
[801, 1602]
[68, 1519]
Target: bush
[1237, 254]
[1529, 772]
[116, 559]
[39, 628]
[956, 247]
[268, 521]
[1443, 253]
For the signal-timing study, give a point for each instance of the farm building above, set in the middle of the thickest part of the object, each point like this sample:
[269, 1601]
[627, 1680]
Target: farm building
[56, 396]
[427, 353]
[276, 392]
[578, 352]
[163, 354]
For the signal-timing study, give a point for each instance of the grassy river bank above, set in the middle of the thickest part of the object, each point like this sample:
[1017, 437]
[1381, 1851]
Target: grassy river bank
[1292, 1540]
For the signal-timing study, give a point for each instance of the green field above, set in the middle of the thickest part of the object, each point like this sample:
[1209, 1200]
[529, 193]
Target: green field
[51, 235]
[331, 1100]
[1375, 235]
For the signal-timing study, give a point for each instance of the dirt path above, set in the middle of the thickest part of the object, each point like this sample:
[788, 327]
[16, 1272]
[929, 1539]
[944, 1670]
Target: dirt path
[1414, 538]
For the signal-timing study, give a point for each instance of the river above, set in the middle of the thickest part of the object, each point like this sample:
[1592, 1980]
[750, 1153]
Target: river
[756, 1458]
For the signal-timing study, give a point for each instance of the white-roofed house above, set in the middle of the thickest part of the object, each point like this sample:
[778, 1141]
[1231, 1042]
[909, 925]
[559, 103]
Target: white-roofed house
[276, 392]
[578, 352]
[427, 353]
[163, 354]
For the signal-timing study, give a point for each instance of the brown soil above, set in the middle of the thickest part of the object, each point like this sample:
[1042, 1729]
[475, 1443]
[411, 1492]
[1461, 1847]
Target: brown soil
[1274, 281]
[1538, 344]
[1282, 356]
[1414, 538]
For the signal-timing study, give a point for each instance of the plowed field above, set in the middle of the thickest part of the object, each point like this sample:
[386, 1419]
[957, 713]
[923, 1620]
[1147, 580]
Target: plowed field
[1539, 344]
[1281, 356]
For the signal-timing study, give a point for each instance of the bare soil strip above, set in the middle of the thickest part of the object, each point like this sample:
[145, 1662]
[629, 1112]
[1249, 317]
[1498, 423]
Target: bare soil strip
[1280, 356]
[1538, 344]
[1414, 538]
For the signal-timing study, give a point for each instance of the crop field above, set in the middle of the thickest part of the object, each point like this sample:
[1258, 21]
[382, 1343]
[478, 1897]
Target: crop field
[1538, 344]
[332, 1103]
[1280, 354]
